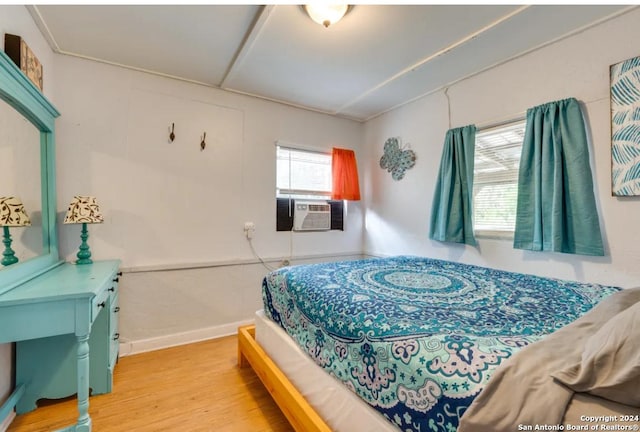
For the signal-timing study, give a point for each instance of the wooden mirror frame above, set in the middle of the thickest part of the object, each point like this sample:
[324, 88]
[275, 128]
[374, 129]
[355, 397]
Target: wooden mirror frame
[20, 93]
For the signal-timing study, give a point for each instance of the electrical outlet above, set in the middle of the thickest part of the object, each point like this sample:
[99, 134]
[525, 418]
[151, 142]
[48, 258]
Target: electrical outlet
[249, 228]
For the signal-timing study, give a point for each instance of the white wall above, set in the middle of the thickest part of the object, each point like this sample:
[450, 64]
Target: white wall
[168, 205]
[112, 142]
[398, 213]
[17, 20]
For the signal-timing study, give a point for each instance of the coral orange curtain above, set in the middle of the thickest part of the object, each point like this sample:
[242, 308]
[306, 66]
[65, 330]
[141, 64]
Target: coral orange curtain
[344, 172]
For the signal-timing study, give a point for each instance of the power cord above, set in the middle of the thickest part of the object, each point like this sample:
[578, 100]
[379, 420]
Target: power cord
[267, 266]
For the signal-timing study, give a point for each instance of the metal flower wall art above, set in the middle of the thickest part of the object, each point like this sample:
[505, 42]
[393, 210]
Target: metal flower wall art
[396, 160]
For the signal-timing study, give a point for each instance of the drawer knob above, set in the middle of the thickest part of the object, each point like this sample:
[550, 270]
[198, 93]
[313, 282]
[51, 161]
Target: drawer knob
[117, 309]
[116, 279]
[112, 289]
[103, 304]
[116, 336]
[119, 273]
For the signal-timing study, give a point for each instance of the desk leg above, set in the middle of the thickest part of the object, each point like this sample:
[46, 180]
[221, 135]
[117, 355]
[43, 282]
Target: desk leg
[84, 421]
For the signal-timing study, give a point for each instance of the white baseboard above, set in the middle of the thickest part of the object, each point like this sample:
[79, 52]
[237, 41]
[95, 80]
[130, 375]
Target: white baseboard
[7, 421]
[167, 341]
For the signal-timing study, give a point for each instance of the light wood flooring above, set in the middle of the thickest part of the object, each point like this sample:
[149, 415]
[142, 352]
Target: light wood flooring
[196, 387]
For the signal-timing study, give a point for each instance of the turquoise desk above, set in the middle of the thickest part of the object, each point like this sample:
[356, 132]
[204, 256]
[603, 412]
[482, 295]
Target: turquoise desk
[65, 325]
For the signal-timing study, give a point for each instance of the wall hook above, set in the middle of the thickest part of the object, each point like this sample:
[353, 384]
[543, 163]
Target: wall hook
[172, 136]
[202, 143]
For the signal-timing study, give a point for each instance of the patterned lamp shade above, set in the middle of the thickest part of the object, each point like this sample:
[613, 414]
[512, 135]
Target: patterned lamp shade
[83, 209]
[12, 213]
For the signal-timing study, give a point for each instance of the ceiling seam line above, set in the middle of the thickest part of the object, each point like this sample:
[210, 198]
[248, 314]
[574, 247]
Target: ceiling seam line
[294, 105]
[247, 43]
[43, 27]
[499, 63]
[213, 86]
[138, 69]
[434, 56]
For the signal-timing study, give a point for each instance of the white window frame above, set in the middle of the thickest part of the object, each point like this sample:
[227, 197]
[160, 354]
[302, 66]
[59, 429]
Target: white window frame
[493, 154]
[284, 192]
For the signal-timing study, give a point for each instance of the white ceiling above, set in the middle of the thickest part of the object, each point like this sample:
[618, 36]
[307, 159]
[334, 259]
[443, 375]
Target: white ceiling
[377, 58]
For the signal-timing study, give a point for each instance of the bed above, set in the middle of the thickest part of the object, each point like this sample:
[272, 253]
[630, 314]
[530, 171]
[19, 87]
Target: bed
[416, 339]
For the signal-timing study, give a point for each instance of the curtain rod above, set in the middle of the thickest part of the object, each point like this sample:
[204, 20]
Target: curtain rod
[496, 124]
[294, 146]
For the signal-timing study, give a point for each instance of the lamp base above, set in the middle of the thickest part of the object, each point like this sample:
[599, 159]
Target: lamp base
[8, 256]
[83, 260]
[84, 254]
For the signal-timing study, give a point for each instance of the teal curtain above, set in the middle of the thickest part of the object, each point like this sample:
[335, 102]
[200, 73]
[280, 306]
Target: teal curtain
[556, 204]
[451, 214]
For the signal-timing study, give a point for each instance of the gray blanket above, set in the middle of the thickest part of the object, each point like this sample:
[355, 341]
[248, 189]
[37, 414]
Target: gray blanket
[522, 391]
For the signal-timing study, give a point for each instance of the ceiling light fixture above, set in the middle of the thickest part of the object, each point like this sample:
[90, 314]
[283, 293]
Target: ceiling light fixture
[326, 14]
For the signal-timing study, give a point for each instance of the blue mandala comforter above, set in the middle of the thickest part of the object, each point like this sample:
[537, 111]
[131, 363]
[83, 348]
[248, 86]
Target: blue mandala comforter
[418, 338]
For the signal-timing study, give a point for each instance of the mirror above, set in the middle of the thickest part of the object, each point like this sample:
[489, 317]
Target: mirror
[20, 178]
[27, 170]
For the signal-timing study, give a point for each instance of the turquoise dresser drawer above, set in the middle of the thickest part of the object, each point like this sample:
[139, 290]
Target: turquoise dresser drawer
[101, 300]
[113, 289]
[113, 331]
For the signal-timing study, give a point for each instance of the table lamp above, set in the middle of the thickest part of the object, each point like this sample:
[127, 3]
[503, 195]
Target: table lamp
[12, 214]
[84, 210]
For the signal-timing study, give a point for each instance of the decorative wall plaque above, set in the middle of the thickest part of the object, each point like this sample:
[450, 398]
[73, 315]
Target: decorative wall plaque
[625, 127]
[23, 57]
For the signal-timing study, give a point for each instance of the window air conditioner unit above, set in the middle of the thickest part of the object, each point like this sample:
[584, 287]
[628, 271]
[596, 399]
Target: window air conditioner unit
[312, 216]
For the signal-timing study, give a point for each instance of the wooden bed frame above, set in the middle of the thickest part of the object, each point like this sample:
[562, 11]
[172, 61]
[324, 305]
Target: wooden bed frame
[294, 406]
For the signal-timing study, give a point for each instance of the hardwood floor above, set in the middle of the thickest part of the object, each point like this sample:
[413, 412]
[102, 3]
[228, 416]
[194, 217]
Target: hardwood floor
[196, 387]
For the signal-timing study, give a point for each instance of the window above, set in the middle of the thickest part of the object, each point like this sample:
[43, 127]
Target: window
[495, 184]
[303, 174]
